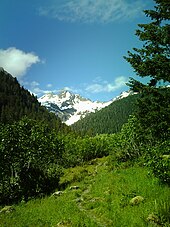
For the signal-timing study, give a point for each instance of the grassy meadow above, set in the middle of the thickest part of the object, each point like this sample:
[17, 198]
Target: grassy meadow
[101, 198]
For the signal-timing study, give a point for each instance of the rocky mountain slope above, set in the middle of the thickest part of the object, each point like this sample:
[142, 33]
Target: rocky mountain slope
[72, 107]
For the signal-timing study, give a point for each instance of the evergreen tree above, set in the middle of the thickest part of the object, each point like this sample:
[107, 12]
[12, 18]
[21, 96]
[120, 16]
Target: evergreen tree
[153, 61]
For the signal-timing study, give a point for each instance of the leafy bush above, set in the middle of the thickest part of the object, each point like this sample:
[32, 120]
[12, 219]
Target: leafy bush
[82, 149]
[30, 154]
[159, 161]
[133, 144]
[127, 145]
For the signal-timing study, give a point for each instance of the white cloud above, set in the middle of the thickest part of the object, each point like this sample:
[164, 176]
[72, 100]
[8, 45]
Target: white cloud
[105, 86]
[34, 88]
[16, 61]
[39, 92]
[91, 11]
[34, 84]
[98, 86]
[68, 89]
[49, 85]
[36, 91]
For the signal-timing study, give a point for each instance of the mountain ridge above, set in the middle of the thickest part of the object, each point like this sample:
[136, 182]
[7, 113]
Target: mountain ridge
[72, 107]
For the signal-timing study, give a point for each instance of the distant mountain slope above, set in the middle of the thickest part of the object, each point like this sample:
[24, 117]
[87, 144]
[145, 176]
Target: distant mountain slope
[16, 102]
[108, 120]
[70, 107]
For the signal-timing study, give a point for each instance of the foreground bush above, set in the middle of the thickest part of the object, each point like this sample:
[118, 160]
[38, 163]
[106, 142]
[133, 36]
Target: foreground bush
[29, 163]
[136, 146]
[128, 145]
[158, 160]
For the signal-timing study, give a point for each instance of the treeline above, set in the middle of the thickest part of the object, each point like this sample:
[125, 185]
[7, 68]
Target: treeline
[108, 120]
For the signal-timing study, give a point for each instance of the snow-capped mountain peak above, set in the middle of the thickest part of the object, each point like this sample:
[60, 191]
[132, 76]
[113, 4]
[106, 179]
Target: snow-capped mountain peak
[70, 107]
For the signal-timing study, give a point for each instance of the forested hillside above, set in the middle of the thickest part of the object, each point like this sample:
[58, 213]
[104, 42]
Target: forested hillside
[16, 102]
[108, 120]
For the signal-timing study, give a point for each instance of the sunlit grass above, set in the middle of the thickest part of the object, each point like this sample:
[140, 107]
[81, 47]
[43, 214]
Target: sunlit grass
[47, 212]
[101, 199]
[115, 190]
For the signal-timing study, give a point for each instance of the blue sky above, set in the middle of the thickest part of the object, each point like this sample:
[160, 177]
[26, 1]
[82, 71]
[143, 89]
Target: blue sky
[70, 44]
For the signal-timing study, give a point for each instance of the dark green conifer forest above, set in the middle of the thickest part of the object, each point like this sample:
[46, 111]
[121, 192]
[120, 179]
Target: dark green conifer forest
[17, 102]
[109, 119]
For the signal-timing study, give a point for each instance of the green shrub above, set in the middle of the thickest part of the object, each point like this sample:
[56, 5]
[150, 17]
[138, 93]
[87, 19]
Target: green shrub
[159, 161]
[82, 149]
[30, 153]
[127, 146]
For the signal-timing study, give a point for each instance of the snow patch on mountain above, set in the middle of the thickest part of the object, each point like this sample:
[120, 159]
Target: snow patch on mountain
[72, 107]
[124, 94]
